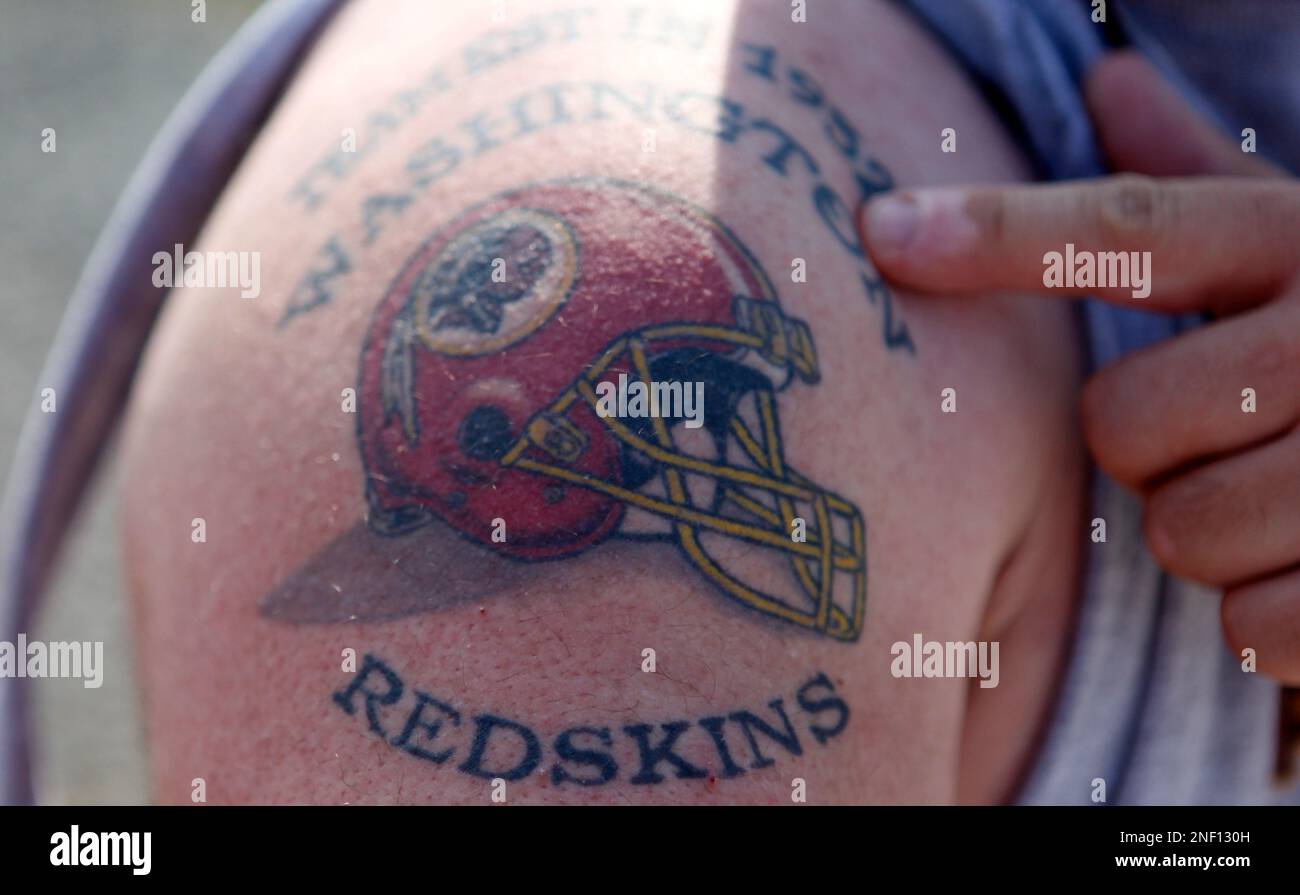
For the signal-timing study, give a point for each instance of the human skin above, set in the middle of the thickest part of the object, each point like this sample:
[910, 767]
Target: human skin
[1217, 470]
[973, 519]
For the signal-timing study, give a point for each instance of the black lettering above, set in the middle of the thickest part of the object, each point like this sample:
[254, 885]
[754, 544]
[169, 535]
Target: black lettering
[376, 208]
[558, 114]
[603, 761]
[841, 133]
[826, 704]
[368, 666]
[377, 123]
[806, 91]
[837, 216]
[433, 160]
[778, 160]
[335, 166]
[314, 289]
[714, 727]
[303, 190]
[430, 728]
[896, 332]
[485, 132]
[749, 721]
[651, 758]
[759, 60]
[484, 726]
[875, 179]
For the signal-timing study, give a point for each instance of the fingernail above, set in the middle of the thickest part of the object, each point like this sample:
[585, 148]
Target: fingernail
[891, 224]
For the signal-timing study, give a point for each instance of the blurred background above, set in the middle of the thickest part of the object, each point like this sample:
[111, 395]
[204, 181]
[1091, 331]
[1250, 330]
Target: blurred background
[103, 74]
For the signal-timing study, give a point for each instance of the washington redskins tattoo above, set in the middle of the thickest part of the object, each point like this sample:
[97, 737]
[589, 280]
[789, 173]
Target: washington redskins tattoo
[480, 397]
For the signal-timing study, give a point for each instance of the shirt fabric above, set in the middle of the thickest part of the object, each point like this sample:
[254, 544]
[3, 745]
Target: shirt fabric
[1153, 703]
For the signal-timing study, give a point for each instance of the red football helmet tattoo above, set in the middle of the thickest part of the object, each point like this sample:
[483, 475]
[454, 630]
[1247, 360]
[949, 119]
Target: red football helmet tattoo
[480, 394]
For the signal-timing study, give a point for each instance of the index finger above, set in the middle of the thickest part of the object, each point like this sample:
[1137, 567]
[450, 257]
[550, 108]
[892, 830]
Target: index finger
[1171, 244]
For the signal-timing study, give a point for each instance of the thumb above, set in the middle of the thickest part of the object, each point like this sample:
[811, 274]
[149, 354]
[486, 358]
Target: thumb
[1147, 128]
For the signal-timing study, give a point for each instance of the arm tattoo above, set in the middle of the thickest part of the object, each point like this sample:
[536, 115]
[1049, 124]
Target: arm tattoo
[587, 362]
[492, 747]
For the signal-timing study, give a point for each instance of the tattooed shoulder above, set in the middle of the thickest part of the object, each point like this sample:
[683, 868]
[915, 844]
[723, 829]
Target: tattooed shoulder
[538, 386]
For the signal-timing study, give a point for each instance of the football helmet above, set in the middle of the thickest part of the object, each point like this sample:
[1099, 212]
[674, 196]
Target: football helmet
[479, 405]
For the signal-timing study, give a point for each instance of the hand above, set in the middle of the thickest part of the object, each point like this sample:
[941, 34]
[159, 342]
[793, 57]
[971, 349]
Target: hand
[1221, 486]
